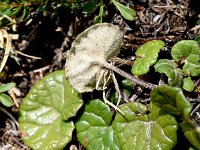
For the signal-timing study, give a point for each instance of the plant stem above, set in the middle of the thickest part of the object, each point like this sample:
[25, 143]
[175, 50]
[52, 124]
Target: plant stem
[127, 75]
[10, 115]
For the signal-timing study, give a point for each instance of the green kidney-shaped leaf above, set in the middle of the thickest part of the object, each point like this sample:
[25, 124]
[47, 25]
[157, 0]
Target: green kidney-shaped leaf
[169, 68]
[138, 131]
[188, 84]
[45, 111]
[187, 51]
[172, 100]
[191, 132]
[126, 12]
[93, 128]
[135, 130]
[146, 56]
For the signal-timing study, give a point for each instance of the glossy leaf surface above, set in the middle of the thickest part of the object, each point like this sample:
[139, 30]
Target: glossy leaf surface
[188, 52]
[135, 130]
[45, 111]
[172, 100]
[169, 68]
[93, 128]
[146, 56]
[128, 84]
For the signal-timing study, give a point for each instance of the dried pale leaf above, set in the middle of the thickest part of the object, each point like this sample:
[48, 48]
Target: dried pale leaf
[1, 39]
[94, 46]
[7, 49]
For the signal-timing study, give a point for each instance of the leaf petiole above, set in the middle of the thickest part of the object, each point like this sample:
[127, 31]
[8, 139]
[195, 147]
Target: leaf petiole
[127, 75]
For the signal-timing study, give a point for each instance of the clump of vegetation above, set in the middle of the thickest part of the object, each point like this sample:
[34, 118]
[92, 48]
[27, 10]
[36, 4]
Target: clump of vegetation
[54, 102]
[23, 8]
[55, 111]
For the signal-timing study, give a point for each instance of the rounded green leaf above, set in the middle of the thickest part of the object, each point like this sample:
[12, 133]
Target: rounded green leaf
[172, 100]
[6, 100]
[45, 111]
[128, 84]
[187, 51]
[188, 84]
[93, 128]
[146, 56]
[169, 68]
[138, 131]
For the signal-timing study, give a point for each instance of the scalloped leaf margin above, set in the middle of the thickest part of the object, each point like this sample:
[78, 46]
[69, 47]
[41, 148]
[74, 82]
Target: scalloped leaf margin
[45, 111]
[169, 68]
[95, 129]
[171, 99]
[146, 56]
[187, 51]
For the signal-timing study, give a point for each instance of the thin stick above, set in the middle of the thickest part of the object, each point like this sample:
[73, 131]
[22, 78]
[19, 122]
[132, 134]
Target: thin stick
[127, 75]
[120, 93]
[26, 55]
[10, 115]
[111, 104]
[137, 93]
[117, 88]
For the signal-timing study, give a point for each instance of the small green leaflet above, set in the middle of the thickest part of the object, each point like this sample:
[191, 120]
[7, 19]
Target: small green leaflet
[126, 12]
[169, 68]
[7, 86]
[6, 100]
[188, 84]
[146, 56]
[90, 6]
